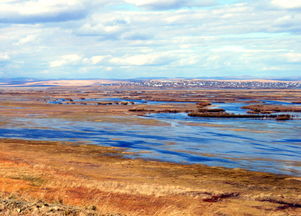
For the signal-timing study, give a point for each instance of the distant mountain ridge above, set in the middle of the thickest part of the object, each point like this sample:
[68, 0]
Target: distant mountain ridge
[156, 83]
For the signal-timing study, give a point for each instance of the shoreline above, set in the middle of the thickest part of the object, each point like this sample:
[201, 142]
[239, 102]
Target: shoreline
[86, 175]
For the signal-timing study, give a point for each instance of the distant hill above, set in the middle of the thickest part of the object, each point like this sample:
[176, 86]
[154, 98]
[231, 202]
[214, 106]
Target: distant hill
[33, 83]
[157, 83]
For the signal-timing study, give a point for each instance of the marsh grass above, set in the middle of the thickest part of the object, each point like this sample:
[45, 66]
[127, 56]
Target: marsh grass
[84, 175]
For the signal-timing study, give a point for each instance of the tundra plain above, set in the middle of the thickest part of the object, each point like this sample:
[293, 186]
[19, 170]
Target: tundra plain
[47, 177]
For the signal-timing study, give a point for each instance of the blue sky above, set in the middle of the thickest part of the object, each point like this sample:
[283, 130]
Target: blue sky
[81, 39]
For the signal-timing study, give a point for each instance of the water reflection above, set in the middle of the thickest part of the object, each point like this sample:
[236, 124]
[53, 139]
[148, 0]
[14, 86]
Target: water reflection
[277, 149]
[261, 145]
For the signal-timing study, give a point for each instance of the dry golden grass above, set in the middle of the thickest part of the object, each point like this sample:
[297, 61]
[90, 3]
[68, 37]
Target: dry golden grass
[83, 176]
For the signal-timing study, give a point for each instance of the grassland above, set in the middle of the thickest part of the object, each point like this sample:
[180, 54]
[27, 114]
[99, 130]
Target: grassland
[87, 176]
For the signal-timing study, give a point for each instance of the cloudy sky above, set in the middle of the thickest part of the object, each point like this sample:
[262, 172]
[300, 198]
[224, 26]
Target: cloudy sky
[80, 39]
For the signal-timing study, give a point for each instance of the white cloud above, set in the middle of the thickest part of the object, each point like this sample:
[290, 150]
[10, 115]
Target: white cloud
[42, 6]
[188, 60]
[272, 68]
[66, 60]
[75, 59]
[27, 39]
[4, 57]
[120, 38]
[287, 4]
[97, 59]
[154, 3]
[33, 7]
[169, 4]
[139, 60]
[34, 11]
[108, 25]
[293, 57]
[94, 59]
[236, 49]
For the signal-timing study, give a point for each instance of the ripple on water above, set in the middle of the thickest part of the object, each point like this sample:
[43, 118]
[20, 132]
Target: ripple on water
[278, 151]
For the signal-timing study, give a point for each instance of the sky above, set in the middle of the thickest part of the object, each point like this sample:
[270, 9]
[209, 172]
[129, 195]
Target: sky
[124, 39]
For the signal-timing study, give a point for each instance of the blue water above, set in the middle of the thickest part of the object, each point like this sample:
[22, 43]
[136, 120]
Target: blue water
[260, 145]
[232, 107]
[277, 149]
[236, 108]
[114, 99]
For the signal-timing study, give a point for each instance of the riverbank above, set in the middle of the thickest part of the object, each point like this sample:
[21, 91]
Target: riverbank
[88, 176]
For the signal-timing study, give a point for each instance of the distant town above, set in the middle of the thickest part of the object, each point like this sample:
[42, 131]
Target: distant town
[213, 84]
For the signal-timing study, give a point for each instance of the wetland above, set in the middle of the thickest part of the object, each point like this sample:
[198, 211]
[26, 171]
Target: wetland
[130, 142]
